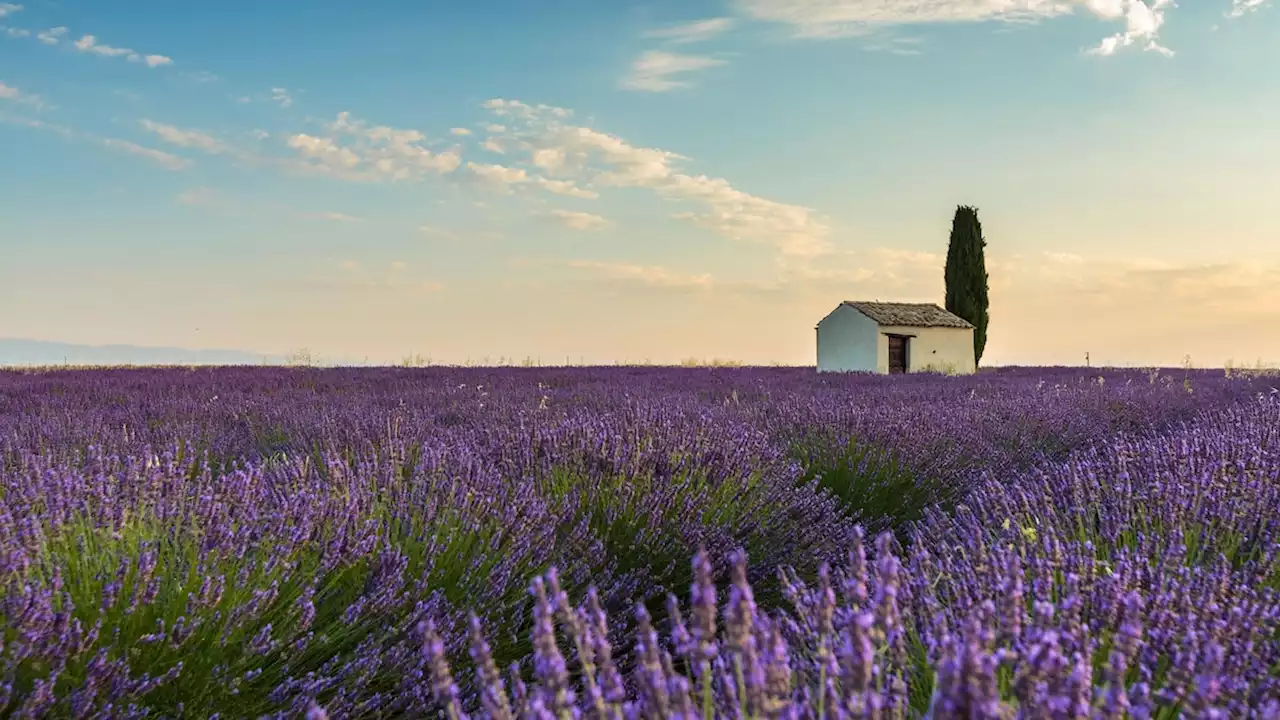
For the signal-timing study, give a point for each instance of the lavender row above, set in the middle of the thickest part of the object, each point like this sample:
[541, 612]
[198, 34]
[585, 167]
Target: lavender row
[287, 537]
[1139, 580]
[1001, 416]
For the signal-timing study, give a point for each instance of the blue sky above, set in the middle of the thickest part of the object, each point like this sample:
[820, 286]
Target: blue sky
[614, 182]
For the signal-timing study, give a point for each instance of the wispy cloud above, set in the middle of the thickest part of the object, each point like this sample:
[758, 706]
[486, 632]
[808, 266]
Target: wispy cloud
[459, 131]
[186, 138]
[332, 217]
[207, 197]
[690, 32]
[565, 187]
[1240, 8]
[371, 153]
[847, 18]
[15, 32]
[396, 275]
[200, 196]
[51, 36]
[650, 275]
[90, 44]
[585, 154]
[575, 220]
[165, 160]
[7, 9]
[37, 124]
[895, 45]
[14, 95]
[248, 151]
[826, 19]
[281, 97]
[657, 70]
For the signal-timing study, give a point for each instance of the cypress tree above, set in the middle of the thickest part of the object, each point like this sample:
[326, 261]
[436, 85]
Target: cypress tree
[966, 275]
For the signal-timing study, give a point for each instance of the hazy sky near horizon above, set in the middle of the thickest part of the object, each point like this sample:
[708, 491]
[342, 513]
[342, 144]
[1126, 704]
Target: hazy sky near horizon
[617, 181]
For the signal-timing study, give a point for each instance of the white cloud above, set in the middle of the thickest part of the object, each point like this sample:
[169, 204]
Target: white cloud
[1142, 25]
[655, 70]
[846, 18]
[498, 176]
[325, 151]
[1107, 9]
[186, 138]
[460, 131]
[281, 97]
[843, 18]
[52, 35]
[575, 220]
[549, 159]
[523, 111]
[159, 157]
[13, 94]
[1242, 7]
[695, 31]
[395, 151]
[14, 32]
[493, 146]
[378, 133]
[90, 44]
[565, 187]
[376, 152]
[9, 9]
[583, 153]
[643, 274]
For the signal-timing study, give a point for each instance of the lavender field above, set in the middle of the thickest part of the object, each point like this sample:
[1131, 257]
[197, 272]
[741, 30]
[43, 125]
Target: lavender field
[404, 543]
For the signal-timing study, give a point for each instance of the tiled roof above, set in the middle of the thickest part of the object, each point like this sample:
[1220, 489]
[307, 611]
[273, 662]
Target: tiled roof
[908, 314]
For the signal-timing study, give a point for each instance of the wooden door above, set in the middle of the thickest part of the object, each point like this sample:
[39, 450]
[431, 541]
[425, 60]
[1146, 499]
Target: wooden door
[897, 354]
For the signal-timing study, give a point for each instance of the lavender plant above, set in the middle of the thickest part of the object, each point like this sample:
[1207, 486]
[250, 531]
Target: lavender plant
[1071, 593]
[269, 543]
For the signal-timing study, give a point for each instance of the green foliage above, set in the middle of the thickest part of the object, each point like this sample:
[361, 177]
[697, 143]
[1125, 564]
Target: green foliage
[874, 484]
[617, 510]
[966, 275]
[221, 672]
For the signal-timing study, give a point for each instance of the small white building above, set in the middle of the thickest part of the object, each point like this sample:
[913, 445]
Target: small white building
[894, 338]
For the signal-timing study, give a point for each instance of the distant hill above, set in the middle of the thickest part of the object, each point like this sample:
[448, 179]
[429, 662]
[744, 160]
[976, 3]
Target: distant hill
[41, 352]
